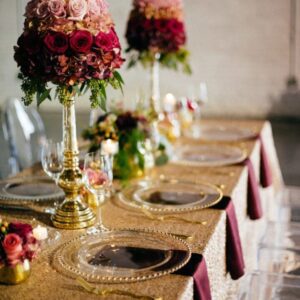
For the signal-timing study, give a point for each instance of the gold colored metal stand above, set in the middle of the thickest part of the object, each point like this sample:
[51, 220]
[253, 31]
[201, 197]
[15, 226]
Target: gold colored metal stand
[72, 213]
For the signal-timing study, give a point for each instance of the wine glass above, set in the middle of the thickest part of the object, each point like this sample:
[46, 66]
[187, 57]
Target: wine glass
[97, 176]
[52, 159]
[197, 95]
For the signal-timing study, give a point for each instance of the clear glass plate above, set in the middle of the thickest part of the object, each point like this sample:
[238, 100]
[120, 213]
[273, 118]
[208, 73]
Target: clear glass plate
[29, 189]
[219, 133]
[208, 155]
[121, 256]
[170, 195]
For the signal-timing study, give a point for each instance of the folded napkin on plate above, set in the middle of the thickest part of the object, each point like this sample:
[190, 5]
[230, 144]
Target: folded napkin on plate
[234, 253]
[254, 208]
[266, 179]
[196, 267]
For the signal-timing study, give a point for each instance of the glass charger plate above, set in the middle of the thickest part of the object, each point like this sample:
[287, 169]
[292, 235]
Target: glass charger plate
[170, 195]
[220, 133]
[37, 189]
[121, 256]
[208, 155]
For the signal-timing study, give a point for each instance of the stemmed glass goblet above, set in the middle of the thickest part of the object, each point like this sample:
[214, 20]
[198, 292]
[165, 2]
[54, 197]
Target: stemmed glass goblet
[52, 159]
[97, 175]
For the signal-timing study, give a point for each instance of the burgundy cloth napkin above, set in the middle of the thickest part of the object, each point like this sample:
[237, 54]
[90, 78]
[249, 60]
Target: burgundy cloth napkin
[266, 179]
[254, 208]
[234, 252]
[196, 267]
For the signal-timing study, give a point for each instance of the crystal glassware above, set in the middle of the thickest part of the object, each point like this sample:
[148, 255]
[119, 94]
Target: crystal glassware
[98, 177]
[52, 159]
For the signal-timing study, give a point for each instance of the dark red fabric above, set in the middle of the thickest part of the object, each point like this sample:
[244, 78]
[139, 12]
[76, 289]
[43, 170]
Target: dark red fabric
[254, 208]
[196, 267]
[234, 252]
[266, 179]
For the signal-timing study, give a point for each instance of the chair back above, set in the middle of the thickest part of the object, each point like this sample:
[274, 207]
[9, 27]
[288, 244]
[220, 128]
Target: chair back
[24, 133]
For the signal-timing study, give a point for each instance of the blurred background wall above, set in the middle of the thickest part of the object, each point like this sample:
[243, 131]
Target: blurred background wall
[241, 49]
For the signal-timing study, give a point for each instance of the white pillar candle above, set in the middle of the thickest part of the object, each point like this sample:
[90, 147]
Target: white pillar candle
[109, 147]
[40, 233]
[169, 102]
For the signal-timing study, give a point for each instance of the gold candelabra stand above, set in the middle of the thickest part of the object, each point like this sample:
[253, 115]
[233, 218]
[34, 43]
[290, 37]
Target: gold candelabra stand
[72, 213]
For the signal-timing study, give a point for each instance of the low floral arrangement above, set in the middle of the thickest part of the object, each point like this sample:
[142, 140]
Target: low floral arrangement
[156, 27]
[129, 129]
[17, 243]
[69, 43]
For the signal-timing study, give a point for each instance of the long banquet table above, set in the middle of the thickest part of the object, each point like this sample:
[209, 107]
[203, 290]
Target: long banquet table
[209, 240]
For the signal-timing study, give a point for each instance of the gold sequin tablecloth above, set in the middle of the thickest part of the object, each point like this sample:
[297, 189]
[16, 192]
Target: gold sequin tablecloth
[209, 240]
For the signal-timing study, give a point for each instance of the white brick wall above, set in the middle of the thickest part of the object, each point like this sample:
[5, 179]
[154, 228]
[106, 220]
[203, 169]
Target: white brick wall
[240, 48]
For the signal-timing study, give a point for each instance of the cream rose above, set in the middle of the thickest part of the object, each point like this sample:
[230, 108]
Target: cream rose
[77, 9]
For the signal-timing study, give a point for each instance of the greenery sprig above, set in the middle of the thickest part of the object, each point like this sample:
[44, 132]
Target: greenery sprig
[32, 87]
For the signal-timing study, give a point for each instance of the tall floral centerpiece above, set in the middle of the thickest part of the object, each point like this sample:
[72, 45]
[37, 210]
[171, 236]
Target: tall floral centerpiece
[156, 35]
[73, 45]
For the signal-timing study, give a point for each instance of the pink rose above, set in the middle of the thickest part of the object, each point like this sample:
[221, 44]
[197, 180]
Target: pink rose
[56, 42]
[57, 8]
[93, 7]
[77, 9]
[81, 41]
[103, 6]
[42, 10]
[12, 246]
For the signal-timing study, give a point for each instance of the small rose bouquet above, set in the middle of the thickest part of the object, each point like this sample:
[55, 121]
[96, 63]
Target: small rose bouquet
[69, 43]
[17, 243]
[130, 130]
[156, 30]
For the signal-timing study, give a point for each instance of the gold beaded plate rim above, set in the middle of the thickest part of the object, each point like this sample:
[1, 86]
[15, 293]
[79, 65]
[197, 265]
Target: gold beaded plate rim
[241, 155]
[5, 195]
[129, 201]
[242, 133]
[62, 267]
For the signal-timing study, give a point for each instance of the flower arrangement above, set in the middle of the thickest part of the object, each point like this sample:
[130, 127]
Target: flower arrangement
[69, 43]
[156, 27]
[129, 129]
[17, 243]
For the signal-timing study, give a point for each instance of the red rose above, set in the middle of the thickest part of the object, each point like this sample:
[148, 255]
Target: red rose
[12, 246]
[107, 41]
[175, 26]
[56, 42]
[81, 41]
[22, 230]
[30, 42]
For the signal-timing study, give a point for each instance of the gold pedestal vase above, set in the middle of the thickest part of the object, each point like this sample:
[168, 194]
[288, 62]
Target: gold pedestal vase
[72, 213]
[16, 274]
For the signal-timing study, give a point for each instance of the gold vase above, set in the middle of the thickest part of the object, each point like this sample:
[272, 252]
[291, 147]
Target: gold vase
[16, 274]
[73, 213]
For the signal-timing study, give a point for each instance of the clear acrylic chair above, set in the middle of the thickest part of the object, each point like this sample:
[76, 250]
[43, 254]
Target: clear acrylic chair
[279, 260]
[24, 133]
[266, 286]
[289, 210]
[281, 234]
